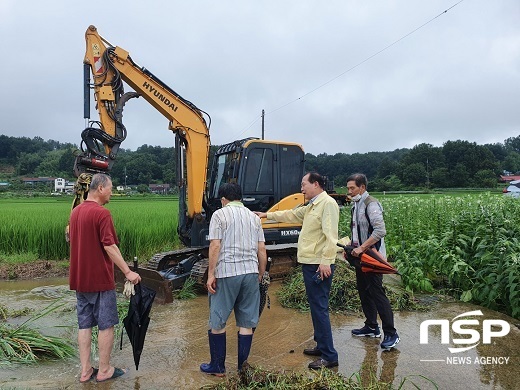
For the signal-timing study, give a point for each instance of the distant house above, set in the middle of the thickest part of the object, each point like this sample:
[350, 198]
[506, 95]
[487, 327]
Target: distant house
[159, 188]
[508, 178]
[37, 180]
[62, 185]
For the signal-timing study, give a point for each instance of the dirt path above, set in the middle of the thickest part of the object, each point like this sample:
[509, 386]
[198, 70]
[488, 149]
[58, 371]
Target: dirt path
[36, 269]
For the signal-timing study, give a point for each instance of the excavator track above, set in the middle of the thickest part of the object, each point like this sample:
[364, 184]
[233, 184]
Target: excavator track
[164, 260]
[167, 271]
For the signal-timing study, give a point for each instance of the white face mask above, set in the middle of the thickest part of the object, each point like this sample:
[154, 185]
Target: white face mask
[356, 198]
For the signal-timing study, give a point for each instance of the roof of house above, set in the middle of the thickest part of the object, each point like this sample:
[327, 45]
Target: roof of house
[507, 178]
[38, 179]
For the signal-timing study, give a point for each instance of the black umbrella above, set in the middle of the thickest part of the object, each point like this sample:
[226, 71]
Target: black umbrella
[137, 320]
[264, 286]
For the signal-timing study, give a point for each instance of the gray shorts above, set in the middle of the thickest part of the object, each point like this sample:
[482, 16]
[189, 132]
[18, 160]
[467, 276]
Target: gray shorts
[239, 293]
[97, 308]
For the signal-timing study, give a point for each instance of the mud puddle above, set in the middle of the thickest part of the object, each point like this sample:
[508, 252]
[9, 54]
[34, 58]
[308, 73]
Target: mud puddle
[177, 343]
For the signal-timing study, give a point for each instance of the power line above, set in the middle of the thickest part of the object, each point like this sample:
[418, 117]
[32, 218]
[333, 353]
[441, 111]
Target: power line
[353, 67]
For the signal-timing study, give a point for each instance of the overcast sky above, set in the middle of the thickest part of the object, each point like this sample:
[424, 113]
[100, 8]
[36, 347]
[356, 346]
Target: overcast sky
[312, 65]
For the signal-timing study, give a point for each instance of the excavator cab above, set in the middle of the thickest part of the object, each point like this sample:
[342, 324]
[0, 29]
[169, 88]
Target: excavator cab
[267, 171]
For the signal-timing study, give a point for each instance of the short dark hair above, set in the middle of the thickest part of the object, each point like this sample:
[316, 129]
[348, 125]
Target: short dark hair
[359, 178]
[230, 191]
[315, 177]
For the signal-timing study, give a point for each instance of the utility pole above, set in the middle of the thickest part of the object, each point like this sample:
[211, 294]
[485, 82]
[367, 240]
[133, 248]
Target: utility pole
[263, 117]
[125, 177]
[427, 174]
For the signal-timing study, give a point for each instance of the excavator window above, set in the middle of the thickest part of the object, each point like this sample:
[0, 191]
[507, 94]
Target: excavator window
[292, 162]
[259, 176]
[222, 168]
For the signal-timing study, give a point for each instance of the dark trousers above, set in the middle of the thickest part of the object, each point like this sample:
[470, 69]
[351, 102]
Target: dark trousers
[374, 300]
[318, 297]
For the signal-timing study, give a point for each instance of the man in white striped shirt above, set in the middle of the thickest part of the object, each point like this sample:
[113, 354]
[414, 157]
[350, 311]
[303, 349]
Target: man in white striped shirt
[237, 261]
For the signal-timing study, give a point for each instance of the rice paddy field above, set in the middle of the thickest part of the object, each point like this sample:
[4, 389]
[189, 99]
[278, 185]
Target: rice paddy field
[466, 245]
[144, 226]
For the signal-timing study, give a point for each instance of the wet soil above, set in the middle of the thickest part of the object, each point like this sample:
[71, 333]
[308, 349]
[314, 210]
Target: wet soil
[176, 344]
[32, 270]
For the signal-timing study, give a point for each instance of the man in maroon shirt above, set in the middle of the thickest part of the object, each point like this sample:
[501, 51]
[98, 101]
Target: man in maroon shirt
[93, 253]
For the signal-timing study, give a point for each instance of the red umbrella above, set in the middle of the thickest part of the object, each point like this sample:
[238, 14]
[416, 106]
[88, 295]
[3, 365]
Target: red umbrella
[370, 261]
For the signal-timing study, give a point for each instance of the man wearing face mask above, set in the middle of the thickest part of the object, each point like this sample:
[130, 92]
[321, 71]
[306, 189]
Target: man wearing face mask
[368, 231]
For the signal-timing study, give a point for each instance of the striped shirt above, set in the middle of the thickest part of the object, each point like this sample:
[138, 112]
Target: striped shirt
[239, 231]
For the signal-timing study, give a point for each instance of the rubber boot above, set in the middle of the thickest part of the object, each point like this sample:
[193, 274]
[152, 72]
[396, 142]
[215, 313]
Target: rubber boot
[217, 350]
[244, 346]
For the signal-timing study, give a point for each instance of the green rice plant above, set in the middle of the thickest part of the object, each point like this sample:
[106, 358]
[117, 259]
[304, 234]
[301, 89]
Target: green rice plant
[37, 226]
[18, 258]
[188, 289]
[344, 296]
[258, 378]
[5, 312]
[26, 345]
[21, 344]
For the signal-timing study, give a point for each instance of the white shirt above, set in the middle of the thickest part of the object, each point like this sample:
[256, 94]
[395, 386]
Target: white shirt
[239, 231]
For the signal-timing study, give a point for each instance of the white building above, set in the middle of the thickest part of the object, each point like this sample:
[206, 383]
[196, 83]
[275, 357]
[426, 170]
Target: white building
[62, 185]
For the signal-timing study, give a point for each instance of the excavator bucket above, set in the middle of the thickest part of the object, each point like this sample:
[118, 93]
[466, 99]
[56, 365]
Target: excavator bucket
[152, 279]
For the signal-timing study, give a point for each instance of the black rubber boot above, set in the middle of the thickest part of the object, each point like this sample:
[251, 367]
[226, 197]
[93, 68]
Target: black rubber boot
[217, 350]
[244, 347]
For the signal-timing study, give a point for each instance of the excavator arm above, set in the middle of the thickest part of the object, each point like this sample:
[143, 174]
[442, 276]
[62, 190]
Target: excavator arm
[110, 66]
[268, 171]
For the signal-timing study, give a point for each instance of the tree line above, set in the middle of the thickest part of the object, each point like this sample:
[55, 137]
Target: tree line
[455, 164]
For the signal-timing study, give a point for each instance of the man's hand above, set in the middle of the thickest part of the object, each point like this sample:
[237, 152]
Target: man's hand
[325, 271]
[357, 251]
[133, 277]
[260, 214]
[211, 284]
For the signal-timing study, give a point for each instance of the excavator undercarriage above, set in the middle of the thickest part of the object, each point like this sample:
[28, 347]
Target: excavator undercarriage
[167, 271]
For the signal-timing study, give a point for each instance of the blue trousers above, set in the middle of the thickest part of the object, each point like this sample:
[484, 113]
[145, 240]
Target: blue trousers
[318, 297]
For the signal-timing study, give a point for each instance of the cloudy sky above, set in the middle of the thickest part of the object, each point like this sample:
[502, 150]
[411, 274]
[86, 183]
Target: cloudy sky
[333, 75]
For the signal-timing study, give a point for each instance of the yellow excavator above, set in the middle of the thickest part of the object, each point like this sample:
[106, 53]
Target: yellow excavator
[269, 172]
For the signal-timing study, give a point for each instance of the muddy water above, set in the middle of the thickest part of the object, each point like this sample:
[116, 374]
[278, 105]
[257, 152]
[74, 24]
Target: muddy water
[177, 343]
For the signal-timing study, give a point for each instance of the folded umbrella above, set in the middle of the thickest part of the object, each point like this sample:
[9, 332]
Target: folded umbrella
[138, 318]
[264, 286]
[370, 261]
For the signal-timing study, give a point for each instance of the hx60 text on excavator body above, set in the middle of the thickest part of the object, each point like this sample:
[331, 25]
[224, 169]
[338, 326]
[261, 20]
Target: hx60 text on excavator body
[269, 172]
